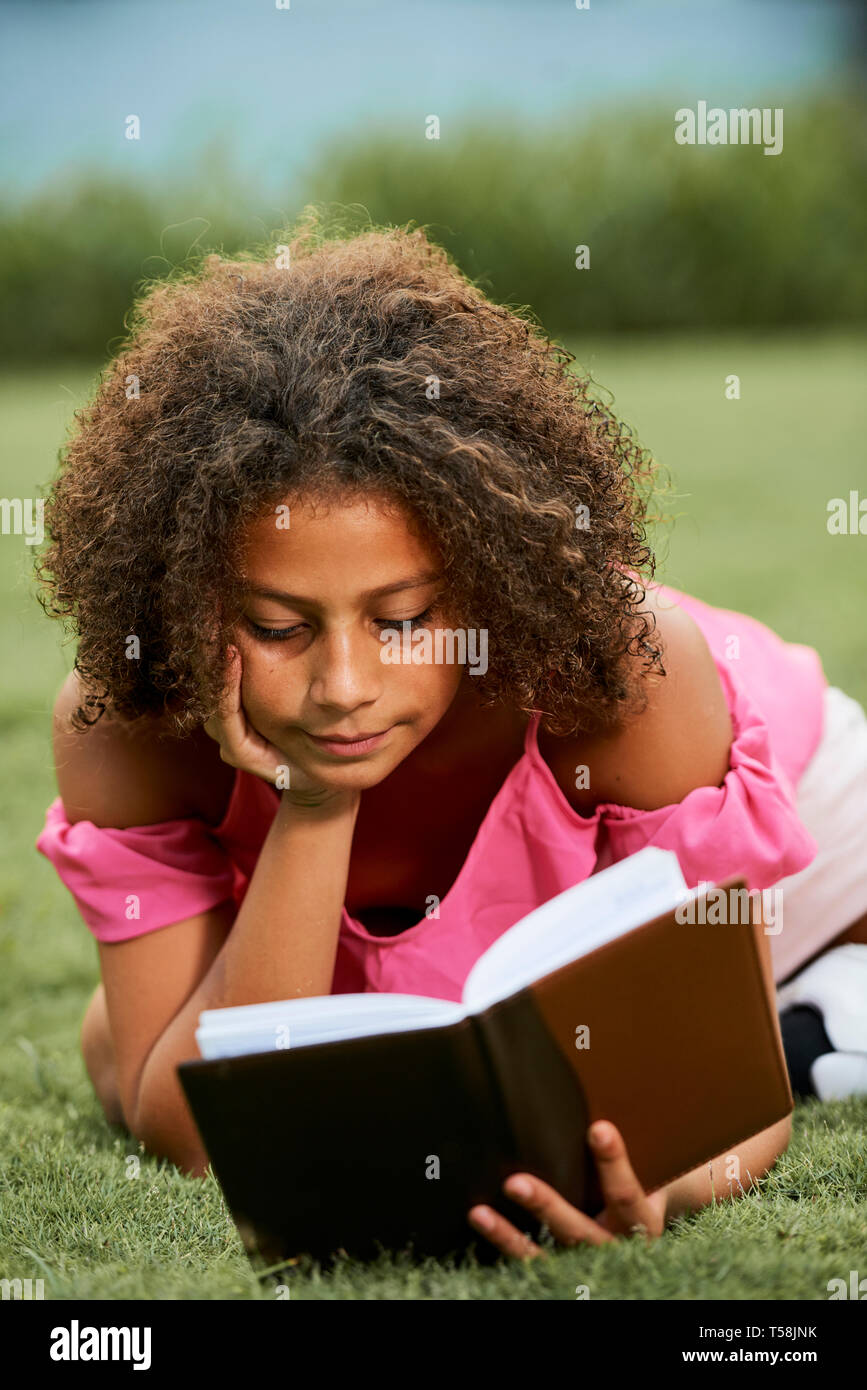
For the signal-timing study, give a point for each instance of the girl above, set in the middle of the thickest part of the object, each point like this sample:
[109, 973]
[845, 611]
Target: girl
[294, 460]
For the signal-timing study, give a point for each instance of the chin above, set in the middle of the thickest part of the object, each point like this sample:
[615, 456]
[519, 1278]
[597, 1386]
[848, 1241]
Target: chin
[357, 776]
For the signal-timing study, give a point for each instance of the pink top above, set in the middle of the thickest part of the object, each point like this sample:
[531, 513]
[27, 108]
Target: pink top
[530, 846]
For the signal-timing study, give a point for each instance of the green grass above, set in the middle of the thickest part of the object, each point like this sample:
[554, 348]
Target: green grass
[753, 478]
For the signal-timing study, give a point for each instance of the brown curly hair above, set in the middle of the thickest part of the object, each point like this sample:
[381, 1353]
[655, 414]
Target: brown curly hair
[370, 362]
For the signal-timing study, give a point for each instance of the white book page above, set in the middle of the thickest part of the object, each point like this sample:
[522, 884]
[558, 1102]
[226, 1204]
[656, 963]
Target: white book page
[602, 907]
[597, 910]
[294, 1023]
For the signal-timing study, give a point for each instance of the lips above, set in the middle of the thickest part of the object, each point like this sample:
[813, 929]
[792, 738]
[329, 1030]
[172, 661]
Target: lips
[349, 738]
[344, 746]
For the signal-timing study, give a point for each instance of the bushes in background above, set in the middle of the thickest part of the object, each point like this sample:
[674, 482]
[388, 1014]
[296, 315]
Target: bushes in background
[679, 236]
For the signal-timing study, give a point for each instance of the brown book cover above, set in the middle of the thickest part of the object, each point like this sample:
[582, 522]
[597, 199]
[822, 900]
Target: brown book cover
[385, 1142]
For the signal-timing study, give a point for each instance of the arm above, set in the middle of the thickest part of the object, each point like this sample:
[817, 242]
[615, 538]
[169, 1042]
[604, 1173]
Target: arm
[282, 945]
[728, 1175]
[628, 1209]
[680, 740]
[283, 941]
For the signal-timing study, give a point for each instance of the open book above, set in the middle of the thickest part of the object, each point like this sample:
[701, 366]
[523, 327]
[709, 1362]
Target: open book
[354, 1121]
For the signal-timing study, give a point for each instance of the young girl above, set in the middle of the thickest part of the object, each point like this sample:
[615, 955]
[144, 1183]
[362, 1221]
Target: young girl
[293, 461]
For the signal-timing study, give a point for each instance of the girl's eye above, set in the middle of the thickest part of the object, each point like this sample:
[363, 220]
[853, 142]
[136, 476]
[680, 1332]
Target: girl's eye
[418, 621]
[283, 634]
[274, 634]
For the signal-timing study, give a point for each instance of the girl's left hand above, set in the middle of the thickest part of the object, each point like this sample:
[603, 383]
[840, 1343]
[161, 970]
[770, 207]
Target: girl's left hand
[628, 1210]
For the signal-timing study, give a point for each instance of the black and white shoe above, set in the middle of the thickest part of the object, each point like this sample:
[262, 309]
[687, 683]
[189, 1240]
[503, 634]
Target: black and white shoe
[823, 1021]
[836, 1075]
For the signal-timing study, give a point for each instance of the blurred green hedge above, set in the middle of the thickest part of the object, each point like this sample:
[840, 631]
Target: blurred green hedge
[679, 236]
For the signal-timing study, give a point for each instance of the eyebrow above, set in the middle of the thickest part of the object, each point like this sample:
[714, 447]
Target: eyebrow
[414, 581]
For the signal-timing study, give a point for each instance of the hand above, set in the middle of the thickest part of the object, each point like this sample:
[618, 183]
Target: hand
[243, 746]
[628, 1210]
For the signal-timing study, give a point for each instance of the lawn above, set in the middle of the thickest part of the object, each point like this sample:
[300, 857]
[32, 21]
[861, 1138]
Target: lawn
[752, 480]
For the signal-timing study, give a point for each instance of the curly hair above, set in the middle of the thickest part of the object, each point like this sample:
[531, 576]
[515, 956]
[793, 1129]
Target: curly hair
[324, 362]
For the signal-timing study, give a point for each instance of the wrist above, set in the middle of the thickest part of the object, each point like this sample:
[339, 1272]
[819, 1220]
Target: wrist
[663, 1207]
[669, 1203]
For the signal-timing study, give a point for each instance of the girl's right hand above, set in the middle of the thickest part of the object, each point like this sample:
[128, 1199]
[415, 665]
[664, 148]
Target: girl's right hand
[243, 746]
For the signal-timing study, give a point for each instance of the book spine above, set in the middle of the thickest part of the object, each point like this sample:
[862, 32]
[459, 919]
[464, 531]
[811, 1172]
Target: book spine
[542, 1097]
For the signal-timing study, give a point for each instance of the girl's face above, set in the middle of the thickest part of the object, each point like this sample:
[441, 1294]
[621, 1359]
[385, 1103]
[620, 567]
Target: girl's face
[318, 593]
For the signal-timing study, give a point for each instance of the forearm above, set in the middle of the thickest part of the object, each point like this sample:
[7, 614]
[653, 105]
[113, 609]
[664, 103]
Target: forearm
[729, 1174]
[282, 945]
[284, 940]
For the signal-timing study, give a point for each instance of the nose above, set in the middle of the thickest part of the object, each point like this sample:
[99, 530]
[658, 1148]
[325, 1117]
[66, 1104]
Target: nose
[346, 670]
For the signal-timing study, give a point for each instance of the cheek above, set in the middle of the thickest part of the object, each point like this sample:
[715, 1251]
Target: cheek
[265, 689]
[434, 683]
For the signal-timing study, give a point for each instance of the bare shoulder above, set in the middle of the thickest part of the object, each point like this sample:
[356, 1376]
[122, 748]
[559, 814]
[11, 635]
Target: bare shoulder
[679, 741]
[120, 775]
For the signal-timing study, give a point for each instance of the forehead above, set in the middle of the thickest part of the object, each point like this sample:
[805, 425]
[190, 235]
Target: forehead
[323, 541]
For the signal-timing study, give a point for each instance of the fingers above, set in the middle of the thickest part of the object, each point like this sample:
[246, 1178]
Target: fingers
[567, 1224]
[628, 1209]
[503, 1234]
[231, 699]
[228, 725]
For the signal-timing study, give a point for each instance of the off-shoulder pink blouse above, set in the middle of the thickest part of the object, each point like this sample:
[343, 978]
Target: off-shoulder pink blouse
[530, 846]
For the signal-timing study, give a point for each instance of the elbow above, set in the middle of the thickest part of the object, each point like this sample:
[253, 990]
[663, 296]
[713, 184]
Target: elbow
[171, 1137]
[161, 1119]
[189, 1159]
[770, 1145]
[754, 1159]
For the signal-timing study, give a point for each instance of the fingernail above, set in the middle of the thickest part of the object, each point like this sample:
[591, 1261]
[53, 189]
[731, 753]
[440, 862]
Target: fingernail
[519, 1187]
[483, 1216]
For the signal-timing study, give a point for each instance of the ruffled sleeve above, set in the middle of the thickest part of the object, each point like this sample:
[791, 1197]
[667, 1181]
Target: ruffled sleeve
[132, 881]
[747, 827]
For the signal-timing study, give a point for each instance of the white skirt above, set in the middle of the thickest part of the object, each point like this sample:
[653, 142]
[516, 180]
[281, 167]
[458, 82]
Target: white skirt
[829, 895]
